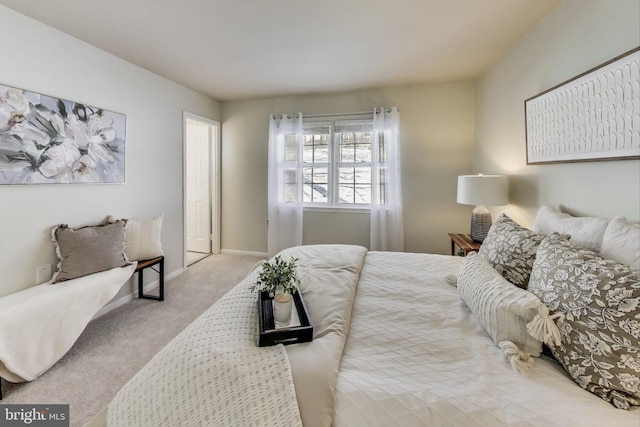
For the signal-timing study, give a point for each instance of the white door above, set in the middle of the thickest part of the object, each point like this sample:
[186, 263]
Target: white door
[198, 186]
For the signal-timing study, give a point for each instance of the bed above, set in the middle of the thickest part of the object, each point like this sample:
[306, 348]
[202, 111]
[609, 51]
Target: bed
[397, 341]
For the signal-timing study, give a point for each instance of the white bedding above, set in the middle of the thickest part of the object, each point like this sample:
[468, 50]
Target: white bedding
[393, 344]
[416, 356]
[214, 374]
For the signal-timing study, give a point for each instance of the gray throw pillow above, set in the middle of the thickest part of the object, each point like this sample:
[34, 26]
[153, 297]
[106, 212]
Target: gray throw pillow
[511, 250]
[87, 250]
[598, 303]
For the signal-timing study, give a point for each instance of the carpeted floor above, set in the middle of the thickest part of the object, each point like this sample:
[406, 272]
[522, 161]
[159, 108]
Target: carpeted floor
[115, 346]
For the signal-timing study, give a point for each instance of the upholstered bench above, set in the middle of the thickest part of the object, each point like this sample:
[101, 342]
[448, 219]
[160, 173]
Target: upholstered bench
[92, 291]
[40, 324]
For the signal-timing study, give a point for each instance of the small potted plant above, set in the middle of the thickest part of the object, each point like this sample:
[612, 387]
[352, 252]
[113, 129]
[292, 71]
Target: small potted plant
[281, 281]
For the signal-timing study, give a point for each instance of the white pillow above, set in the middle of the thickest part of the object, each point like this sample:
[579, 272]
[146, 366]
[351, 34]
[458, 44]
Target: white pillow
[142, 238]
[621, 242]
[547, 218]
[504, 310]
[584, 231]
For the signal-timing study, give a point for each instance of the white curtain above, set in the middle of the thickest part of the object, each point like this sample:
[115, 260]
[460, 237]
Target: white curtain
[387, 230]
[285, 182]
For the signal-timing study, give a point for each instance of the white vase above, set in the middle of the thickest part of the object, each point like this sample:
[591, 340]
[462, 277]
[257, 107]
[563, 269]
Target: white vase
[282, 309]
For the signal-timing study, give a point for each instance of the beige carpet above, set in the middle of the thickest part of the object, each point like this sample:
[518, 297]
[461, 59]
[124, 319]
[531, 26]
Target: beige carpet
[115, 346]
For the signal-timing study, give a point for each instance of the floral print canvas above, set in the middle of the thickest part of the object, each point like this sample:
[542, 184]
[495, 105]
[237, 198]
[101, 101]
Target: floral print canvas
[50, 140]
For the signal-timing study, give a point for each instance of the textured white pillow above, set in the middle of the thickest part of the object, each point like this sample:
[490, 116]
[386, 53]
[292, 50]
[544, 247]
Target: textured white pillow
[584, 231]
[142, 238]
[547, 219]
[621, 242]
[503, 308]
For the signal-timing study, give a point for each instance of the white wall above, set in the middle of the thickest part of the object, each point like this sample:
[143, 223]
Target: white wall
[436, 132]
[40, 59]
[575, 37]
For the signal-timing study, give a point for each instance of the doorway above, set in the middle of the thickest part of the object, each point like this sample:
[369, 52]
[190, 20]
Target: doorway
[201, 188]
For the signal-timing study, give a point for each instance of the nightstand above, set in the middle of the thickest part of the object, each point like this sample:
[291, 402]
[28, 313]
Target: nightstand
[464, 242]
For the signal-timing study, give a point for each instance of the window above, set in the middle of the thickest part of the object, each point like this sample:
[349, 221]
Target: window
[336, 167]
[330, 163]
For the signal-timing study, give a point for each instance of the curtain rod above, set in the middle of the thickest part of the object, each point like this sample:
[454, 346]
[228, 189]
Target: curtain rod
[313, 116]
[359, 113]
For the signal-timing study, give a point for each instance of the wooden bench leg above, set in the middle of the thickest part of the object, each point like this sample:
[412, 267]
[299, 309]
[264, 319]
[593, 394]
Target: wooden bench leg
[141, 293]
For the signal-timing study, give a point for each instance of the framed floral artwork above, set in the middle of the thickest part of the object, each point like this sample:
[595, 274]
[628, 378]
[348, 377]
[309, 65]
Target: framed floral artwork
[48, 140]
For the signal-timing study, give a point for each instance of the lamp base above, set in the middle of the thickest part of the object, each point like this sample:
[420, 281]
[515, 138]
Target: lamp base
[480, 223]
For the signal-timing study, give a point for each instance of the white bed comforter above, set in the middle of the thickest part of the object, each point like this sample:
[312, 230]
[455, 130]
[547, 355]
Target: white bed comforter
[416, 356]
[213, 373]
[405, 352]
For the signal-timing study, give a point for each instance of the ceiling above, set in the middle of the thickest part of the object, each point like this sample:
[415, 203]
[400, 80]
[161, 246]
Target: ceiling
[240, 49]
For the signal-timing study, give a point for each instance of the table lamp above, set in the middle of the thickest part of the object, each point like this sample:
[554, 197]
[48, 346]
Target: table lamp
[482, 191]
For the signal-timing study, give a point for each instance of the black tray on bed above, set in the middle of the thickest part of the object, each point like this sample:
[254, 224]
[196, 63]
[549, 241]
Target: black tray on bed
[268, 334]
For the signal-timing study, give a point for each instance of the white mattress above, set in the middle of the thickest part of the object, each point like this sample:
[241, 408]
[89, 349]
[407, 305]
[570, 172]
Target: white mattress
[416, 356]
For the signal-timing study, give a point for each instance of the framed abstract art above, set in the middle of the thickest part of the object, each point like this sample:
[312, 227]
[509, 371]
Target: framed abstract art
[48, 140]
[593, 116]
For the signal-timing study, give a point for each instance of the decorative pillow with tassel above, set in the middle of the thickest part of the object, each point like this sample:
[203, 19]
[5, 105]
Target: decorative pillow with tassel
[517, 321]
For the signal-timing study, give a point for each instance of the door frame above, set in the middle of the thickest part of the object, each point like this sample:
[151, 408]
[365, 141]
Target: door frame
[215, 176]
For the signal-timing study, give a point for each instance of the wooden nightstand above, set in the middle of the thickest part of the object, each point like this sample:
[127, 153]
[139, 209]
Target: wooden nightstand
[464, 242]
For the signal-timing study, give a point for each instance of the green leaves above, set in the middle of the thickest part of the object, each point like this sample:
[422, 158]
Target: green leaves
[279, 276]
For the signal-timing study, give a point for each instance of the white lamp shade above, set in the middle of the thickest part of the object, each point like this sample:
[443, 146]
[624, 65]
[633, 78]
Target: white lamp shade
[487, 190]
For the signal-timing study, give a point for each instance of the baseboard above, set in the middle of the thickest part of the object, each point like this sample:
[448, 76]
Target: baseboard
[129, 297]
[237, 252]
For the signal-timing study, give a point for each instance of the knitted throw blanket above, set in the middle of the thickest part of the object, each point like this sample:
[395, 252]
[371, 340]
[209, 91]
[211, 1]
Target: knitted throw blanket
[213, 374]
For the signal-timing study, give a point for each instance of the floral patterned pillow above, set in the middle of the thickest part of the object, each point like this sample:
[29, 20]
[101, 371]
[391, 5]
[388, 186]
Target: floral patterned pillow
[511, 250]
[597, 305]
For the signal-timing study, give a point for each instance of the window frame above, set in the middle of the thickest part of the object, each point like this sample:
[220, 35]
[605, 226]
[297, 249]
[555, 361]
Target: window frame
[334, 164]
[328, 164]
